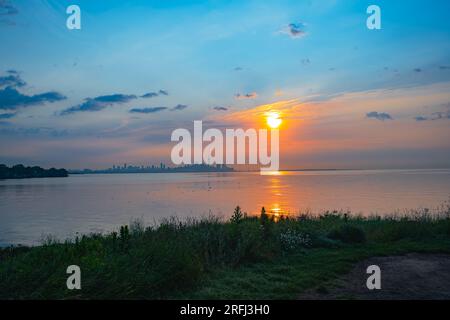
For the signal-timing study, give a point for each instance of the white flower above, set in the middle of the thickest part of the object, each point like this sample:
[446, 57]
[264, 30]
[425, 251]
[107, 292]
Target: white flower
[292, 240]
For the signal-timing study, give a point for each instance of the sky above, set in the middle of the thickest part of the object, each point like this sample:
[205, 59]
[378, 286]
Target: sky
[113, 91]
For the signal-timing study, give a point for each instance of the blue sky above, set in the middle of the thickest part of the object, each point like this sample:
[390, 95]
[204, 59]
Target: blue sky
[197, 57]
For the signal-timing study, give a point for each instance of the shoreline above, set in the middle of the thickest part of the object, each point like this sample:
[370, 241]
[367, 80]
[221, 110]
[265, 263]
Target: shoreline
[431, 214]
[214, 259]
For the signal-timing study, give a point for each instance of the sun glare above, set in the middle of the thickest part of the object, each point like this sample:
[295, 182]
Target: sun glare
[273, 120]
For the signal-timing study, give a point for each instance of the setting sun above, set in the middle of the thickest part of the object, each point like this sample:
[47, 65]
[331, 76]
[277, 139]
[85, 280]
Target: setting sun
[273, 120]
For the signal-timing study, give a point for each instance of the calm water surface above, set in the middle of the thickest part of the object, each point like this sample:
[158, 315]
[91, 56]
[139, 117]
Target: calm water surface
[33, 208]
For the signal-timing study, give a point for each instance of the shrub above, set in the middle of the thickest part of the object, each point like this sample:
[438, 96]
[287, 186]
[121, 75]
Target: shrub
[264, 217]
[237, 215]
[244, 242]
[324, 242]
[266, 224]
[348, 234]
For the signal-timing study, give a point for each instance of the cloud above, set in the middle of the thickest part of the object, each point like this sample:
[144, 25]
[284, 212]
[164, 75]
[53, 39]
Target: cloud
[41, 131]
[7, 115]
[394, 70]
[7, 10]
[99, 103]
[252, 95]
[149, 95]
[294, 30]
[441, 115]
[444, 67]
[11, 99]
[421, 118]
[179, 107]
[382, 116]
[306, 61]
[148, 110]
[155, 94]
[434, 116]
[12, 80]
[220, 108]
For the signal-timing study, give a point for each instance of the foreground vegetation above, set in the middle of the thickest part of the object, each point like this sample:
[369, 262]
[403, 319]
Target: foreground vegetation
[245, 257]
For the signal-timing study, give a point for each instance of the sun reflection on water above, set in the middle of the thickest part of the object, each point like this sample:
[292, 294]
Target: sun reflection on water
[276, 213]
[278, 206]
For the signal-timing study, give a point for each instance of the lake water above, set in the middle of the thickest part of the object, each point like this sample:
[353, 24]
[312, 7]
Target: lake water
[32, 208]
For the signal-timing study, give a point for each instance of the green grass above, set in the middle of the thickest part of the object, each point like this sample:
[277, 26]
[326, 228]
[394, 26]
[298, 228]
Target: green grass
[286, 277]
[244, 258]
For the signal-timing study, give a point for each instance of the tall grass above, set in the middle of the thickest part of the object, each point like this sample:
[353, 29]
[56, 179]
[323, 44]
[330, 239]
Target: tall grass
[161, 261]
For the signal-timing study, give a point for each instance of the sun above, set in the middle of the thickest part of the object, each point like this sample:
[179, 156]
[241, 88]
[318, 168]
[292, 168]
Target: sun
[273, 119]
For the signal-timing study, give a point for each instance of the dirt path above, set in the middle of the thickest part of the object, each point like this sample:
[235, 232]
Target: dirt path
[412, 276]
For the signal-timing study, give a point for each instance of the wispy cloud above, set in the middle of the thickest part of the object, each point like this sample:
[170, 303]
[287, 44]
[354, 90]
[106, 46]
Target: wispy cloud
[149, 95]
[11, 80]
[179, 107]
[35, 131]
[148, 110]
[11, 99]
[99, 103]
[220, 108]
[306, 61]
[7, 10]
[382, 116]
[252, 95]
[441, 115]
[434, 116]
[421, 118]
[295, 30]
[7, 115]
[155, 94]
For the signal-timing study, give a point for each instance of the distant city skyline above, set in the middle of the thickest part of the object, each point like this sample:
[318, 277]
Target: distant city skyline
[349, 97]
[125, 168]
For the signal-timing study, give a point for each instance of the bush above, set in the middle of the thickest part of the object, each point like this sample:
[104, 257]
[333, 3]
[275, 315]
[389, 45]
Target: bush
[348, 234]
[244, 242]
[237, 216]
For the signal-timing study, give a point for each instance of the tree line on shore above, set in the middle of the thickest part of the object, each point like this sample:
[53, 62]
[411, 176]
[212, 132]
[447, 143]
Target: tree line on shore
[21, 172]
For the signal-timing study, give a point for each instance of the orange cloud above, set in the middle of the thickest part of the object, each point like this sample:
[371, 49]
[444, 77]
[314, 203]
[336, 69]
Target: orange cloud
[340, 124]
